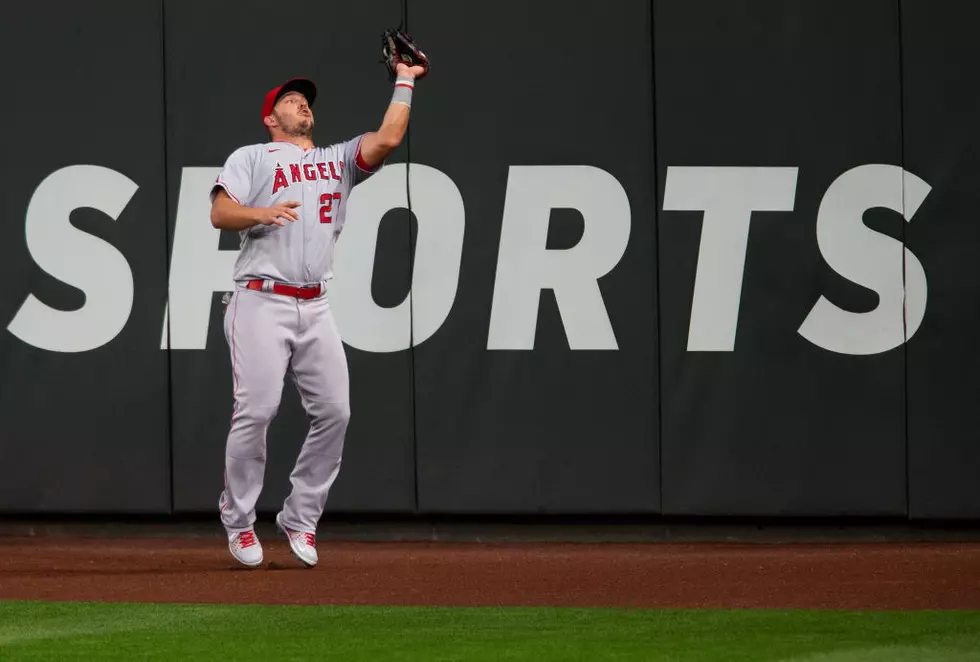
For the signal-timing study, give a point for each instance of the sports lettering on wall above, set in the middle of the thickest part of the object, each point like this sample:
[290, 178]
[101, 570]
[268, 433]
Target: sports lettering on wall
[726, 197]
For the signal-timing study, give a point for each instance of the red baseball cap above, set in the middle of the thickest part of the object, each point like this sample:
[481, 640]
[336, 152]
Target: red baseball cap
[302, 85]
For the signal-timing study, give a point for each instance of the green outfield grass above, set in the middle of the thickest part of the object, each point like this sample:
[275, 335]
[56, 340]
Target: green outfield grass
[45, 631]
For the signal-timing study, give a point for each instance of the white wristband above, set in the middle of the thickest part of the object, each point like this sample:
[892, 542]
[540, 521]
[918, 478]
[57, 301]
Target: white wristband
[404, 86]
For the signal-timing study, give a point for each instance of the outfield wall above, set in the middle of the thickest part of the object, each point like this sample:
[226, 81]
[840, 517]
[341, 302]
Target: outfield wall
[680, 257]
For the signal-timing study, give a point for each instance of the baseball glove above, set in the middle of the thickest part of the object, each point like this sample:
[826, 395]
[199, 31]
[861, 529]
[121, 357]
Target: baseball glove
[397, 46]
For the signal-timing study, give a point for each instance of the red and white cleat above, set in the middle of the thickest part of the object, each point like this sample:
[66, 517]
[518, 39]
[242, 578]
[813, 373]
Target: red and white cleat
[303, 544]
[245, 547]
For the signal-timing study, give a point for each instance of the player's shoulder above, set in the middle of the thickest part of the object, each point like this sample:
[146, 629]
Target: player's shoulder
[246, 151]
[331, 146]
[344, 143]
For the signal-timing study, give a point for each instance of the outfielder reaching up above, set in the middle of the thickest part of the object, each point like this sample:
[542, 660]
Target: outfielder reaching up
[287, 198]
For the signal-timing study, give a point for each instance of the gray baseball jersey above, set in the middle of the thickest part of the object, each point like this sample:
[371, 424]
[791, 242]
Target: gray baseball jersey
[320, 179]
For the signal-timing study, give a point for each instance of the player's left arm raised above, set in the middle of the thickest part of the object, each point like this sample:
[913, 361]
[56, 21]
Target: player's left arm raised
[377, 145]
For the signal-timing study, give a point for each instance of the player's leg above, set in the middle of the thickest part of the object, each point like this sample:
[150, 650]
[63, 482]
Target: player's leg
[258, 329]
[319, 368]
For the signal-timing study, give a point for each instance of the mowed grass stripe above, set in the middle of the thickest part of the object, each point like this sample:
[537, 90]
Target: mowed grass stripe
[112, 631]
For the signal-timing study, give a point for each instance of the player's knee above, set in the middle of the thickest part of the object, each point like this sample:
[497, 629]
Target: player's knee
[248, 447]
[342, 413]
[253, 414]
[336, 414]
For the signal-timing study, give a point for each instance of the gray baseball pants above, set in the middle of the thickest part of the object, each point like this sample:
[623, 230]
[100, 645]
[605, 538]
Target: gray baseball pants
[270, 336]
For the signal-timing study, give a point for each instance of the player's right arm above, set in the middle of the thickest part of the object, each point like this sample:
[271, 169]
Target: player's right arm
[233, 185]
[226, 214]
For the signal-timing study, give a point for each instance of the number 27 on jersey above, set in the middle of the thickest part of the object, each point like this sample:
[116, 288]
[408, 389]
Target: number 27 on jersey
[326, 205]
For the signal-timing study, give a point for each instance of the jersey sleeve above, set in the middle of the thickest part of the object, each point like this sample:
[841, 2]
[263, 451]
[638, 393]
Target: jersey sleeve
[235, 176]
[355, 166]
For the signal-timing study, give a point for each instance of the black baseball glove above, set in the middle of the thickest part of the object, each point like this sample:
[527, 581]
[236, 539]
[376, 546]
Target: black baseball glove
[397, 46]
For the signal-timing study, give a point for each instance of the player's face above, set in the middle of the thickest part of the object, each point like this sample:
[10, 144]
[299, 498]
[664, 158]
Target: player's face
[294, 115]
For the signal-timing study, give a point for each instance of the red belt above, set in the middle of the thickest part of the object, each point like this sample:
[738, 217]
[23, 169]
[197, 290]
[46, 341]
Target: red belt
[287, 290]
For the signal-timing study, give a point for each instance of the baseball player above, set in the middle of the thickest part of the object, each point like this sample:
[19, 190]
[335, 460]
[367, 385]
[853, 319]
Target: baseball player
[287, 198]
